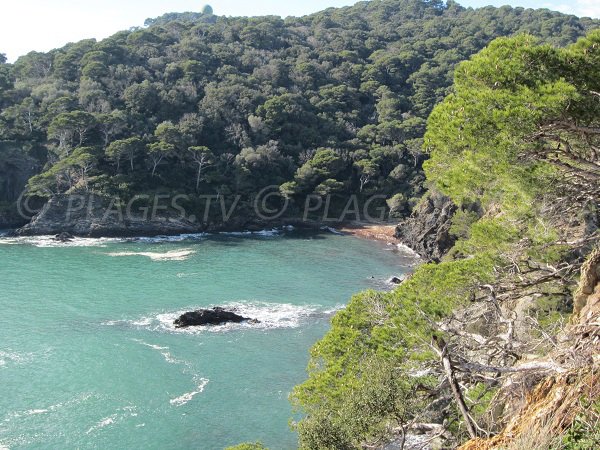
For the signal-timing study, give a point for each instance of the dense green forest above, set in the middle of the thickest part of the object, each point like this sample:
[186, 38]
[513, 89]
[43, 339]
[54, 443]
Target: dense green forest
[518, 135]
[331, 103]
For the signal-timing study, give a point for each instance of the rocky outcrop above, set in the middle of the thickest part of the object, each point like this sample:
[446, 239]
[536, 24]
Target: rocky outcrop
[94, 216]
[427, 231]
[215, 316]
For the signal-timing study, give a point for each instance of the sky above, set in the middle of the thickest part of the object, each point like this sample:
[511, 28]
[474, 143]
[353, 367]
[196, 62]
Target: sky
[42, 25]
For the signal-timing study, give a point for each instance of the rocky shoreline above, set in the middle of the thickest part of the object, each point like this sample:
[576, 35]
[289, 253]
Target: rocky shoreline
[101, 221]
[426, 232]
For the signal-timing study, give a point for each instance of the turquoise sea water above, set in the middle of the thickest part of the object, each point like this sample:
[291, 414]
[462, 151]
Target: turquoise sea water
[89, 357]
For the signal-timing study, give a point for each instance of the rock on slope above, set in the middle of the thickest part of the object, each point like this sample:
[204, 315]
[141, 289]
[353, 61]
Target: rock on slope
[427, 231]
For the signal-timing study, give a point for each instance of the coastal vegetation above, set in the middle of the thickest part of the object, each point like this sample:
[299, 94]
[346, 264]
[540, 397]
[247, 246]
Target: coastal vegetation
[518, 135]
[494, 111]
[329, 104]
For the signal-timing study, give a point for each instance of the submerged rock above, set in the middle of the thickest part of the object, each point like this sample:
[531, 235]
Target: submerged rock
[214, 316]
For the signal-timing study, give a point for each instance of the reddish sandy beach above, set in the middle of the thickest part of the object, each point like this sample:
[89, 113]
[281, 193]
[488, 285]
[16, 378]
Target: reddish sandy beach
[376, 232]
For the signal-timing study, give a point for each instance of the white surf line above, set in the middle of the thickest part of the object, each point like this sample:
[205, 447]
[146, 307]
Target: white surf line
[103, 423]
[9, 356]
[173, 255]
[163, 351]
[189, 396]
[48, 409]
[50, 241]
[119, 416]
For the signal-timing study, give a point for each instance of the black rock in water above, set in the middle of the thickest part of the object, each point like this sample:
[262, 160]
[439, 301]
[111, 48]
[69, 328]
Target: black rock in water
[397, 280]
[215, 316]
[64, 237]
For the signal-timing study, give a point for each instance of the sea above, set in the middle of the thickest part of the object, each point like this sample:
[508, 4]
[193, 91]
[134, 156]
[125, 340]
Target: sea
[90, 358]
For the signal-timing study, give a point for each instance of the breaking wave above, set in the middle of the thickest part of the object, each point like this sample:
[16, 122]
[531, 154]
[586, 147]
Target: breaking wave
[47, 409]
[263, 233]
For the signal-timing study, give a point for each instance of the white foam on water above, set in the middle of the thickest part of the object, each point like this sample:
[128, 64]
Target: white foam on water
[164, 351]
[173, 255]
[175, 238]
[51, 242]
[269, 315]
[48, 409]
[35, 412]
[189, 396]
[142, 322]
[10, 357]
[332, 231]
[103, 423]
[199, 381]
[407, 251]
[335, 309]
[120, 415]
[263, 233]
[188, 275]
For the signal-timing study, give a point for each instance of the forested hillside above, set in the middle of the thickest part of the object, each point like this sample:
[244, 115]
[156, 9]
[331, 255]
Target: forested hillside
[505, 330]
[334, 102]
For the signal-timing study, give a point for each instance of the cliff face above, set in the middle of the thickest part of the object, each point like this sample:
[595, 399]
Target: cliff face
[11, 219]
[427, 231]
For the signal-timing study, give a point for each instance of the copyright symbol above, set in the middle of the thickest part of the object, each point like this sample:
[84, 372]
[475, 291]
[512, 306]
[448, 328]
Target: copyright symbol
[261, 207]
[25, 210]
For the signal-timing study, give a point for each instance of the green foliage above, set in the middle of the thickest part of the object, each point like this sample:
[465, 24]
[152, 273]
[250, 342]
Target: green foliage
[356, 80]
[398, 205]
[382, 397]
[397, 325]
[584, 434]
[478, 136]
[483, 156]
[462, 222]
[124, 148]
[248, 446]
[478, 399]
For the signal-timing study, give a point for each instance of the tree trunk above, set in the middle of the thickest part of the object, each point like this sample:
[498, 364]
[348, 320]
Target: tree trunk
[460, 401]
[198, 177]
